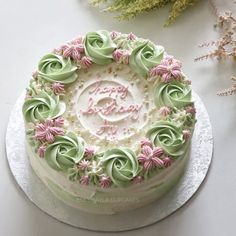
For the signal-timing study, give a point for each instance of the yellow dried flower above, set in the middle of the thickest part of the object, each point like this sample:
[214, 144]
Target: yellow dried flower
[130, 8]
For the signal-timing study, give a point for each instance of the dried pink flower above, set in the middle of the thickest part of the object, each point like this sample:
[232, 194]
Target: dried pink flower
[149, 157]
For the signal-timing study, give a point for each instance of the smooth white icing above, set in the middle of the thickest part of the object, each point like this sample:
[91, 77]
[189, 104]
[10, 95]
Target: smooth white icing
[111, 200]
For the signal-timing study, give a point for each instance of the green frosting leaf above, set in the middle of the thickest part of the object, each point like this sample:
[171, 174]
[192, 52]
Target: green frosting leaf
[121, 165]
[145, 56]
[174, 94]
[73, 173]
[65, 152]
[99, 46]
[55, 68]
[42, 107]
[167, 135]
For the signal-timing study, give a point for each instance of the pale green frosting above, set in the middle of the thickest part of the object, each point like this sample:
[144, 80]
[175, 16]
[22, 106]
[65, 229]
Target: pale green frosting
[73, 173]
[182, 118]
[167, 135]
[174, 94]
[65, 152]
[145, 56]
[55, 68]
[42, 107]
[121, 165]
[99, 47]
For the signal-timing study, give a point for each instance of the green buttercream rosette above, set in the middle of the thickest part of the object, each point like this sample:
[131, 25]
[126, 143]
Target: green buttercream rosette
[42, 107]
[121, 165]
[167, 135]
[65, 152]
[99, 47]
[55, 68]
[145, 56]
[174, 94]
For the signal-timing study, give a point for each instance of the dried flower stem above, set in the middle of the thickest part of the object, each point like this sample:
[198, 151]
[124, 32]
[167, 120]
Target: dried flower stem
[130, 8]
[225, 47]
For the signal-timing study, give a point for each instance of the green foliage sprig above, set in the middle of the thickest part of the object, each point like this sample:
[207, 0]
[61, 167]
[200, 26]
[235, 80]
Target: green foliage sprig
[131, 8]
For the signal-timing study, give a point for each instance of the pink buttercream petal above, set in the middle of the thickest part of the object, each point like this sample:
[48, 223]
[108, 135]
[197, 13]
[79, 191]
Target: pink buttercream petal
[49, 137]
[157, 152]
[142, 158]
[148, 165]
[146, 150]
[157, 162]
[56, 131]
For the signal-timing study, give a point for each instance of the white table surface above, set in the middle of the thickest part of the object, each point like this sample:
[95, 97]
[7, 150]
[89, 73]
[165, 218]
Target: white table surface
[29, 29]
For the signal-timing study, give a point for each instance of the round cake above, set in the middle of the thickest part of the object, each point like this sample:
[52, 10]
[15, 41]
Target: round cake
[109, 119]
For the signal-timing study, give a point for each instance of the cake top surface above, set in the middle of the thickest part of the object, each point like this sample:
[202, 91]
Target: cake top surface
[109, 109]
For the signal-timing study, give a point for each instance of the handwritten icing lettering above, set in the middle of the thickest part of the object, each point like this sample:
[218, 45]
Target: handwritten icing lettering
[112, 108]
[110, 90]
[107, 128]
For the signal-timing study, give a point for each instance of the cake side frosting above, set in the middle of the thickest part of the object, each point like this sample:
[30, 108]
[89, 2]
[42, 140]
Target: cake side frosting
[106, 112]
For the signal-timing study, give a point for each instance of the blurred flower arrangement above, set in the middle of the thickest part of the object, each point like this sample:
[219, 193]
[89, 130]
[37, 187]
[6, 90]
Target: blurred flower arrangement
[224, 47]
[131, 8]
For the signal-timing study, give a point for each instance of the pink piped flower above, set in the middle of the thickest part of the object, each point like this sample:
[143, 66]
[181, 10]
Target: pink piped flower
[187, 81]
[117, 54]
[105, 181]
[86, 62]
[46, 131]
[114, 34]
[131, 36]
[145, 142]
[84, 180]
[77, 41]
[35, 74]
[41, 151]
[167, 161]
[191, 110]
[186, 134]
[59, 121]
[60, 50]
[84, 164]
[149, 157]
[58, 88]
[89, 152]
[167, 70]
[121, 56]
[72, 51]
[137, 180]
[164, 111]
[27, 96]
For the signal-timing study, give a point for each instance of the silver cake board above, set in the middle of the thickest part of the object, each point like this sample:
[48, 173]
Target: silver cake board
[37, 192]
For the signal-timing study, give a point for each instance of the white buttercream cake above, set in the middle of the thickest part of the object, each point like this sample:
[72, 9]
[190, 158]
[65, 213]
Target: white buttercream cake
[109, 119]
